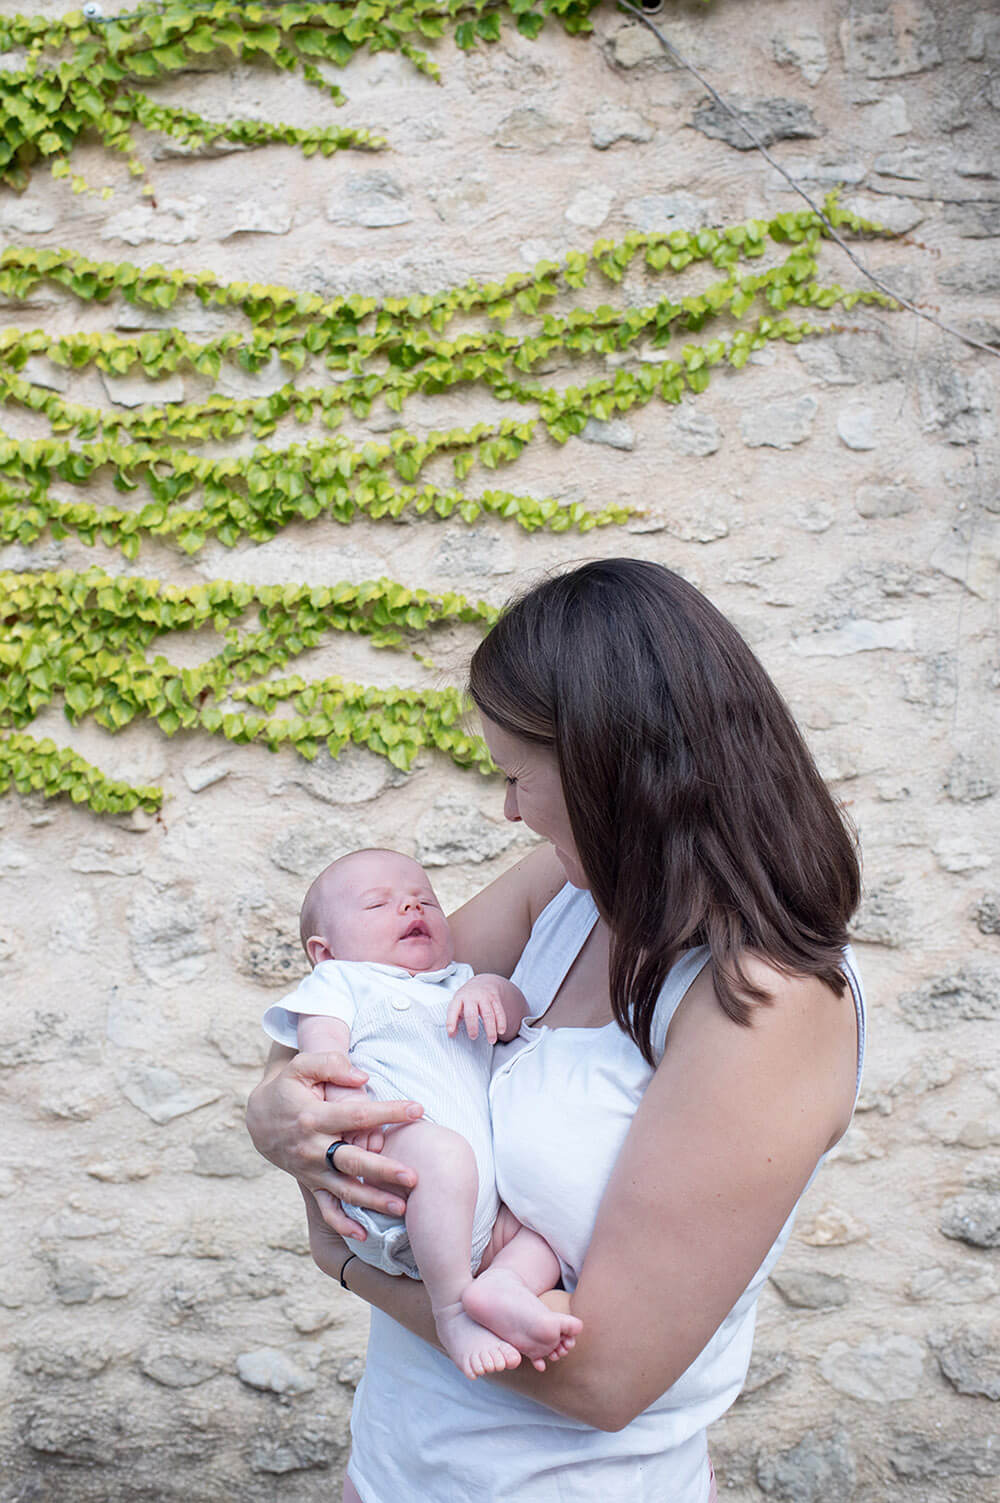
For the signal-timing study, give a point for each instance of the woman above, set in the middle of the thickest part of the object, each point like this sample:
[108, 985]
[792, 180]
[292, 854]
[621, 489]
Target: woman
[695, 1050]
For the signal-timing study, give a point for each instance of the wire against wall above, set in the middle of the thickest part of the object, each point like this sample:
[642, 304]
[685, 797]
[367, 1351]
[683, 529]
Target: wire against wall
[640, 14]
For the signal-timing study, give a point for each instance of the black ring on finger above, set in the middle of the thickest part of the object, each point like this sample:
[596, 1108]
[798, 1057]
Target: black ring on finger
[331, 1154]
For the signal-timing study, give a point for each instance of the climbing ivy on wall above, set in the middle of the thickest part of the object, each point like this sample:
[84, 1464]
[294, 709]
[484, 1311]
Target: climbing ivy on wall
[85, 75]
[86, 638]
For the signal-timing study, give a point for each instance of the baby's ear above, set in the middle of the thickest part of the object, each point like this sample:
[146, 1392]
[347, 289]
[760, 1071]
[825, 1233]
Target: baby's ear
[318, 950]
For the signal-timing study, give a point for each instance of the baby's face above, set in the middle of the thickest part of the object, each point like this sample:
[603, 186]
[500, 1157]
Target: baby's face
[380, 906]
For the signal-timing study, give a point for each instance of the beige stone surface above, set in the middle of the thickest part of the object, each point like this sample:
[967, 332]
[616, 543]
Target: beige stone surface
[164, 1333]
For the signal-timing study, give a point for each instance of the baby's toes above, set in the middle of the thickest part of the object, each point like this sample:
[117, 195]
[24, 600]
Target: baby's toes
[509, 1355]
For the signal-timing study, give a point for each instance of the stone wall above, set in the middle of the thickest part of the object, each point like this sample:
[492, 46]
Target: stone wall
[165, 1334]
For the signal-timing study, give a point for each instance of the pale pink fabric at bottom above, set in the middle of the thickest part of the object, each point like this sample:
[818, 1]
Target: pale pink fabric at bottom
[713, 1491]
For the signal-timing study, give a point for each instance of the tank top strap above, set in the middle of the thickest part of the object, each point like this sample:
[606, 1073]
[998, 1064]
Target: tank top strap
[557, 937]
[678, 979]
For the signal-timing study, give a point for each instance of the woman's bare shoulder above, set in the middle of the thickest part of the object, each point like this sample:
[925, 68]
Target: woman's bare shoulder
[803, 1029]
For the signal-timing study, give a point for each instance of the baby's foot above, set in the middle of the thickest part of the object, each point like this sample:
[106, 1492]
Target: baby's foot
[500, 1300]
[472, 1348]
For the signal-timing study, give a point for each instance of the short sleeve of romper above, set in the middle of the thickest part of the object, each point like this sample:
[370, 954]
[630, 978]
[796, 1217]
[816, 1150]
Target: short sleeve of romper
[324, 993]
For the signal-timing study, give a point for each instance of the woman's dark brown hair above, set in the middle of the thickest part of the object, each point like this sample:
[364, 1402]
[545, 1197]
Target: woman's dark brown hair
[697, 811]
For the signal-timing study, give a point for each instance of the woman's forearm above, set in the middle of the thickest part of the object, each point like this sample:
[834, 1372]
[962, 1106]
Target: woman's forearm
[568, 1386]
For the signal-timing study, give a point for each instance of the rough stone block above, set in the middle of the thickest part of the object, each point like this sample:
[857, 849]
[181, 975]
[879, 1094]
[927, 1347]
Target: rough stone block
[169, 933]
[770, 120]
[373, 200]
[916, 1458]
[634, 45]
[529, 129]
[832, 1227]
[856, 427]
[820, 1469]
[973, 1217]
[354, 776]
[273, 1371]
[616, 433]
[173, 1367]
[669, 211]
[876, 502]
[896, 214]
[891, 43]
[162, 1094]
[591, 206]
[452, 832]
[987, 913]
[969, 779]
[693, 433]
[780, 425]
[803, 49]
[971, 993]
[612, 122]
[809, 1289]
[884, 1370]
[970, 1359]
[856, 636]
[227, 1154]
[883, 919]
[173, 222]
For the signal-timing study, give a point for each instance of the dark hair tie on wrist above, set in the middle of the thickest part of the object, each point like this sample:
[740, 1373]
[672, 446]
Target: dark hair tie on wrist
[343, 1266]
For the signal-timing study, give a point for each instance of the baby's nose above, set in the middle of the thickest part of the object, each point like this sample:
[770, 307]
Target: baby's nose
[410, 903]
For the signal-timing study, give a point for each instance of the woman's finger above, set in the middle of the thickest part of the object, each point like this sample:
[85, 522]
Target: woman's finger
[337, 1119]
[335, 1217]
[360, 1175]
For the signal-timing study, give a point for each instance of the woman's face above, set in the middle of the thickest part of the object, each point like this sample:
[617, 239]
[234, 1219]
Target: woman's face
[534, 793]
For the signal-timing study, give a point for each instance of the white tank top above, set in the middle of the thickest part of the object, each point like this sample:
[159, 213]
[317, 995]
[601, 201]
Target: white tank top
[563, 1100]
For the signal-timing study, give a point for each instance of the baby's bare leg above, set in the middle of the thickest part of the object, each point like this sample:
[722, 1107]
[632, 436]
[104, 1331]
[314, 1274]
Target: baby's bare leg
[505, 1298]
[439, 1216]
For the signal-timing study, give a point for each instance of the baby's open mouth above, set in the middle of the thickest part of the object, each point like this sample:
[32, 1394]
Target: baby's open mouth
[417, 930]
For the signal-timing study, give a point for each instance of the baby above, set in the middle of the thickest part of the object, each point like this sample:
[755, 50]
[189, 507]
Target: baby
[385, 987]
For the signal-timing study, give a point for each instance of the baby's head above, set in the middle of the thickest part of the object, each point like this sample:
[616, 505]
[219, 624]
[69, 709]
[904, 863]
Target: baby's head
[376, 906]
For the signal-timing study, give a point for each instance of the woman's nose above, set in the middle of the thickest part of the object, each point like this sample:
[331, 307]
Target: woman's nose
[510, 804]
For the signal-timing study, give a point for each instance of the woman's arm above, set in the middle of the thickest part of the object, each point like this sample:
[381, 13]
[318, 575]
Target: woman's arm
[492, 929]
[725, 1138]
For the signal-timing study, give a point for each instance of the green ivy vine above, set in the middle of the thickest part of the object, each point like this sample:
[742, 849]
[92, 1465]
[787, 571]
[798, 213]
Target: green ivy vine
[388, 351]
[85, 75]
[89, 638]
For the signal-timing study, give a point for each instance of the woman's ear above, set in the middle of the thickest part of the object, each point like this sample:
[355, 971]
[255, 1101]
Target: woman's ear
[318, 950]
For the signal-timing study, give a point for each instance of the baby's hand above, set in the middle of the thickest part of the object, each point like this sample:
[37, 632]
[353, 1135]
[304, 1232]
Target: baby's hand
[372, 1141]
[478, 1001]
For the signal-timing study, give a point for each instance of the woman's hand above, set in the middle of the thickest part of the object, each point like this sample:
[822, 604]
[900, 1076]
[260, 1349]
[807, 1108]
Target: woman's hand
[292, 1125]
[329, 1250]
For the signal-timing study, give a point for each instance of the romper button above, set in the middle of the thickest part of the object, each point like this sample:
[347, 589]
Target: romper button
[400, 1003]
